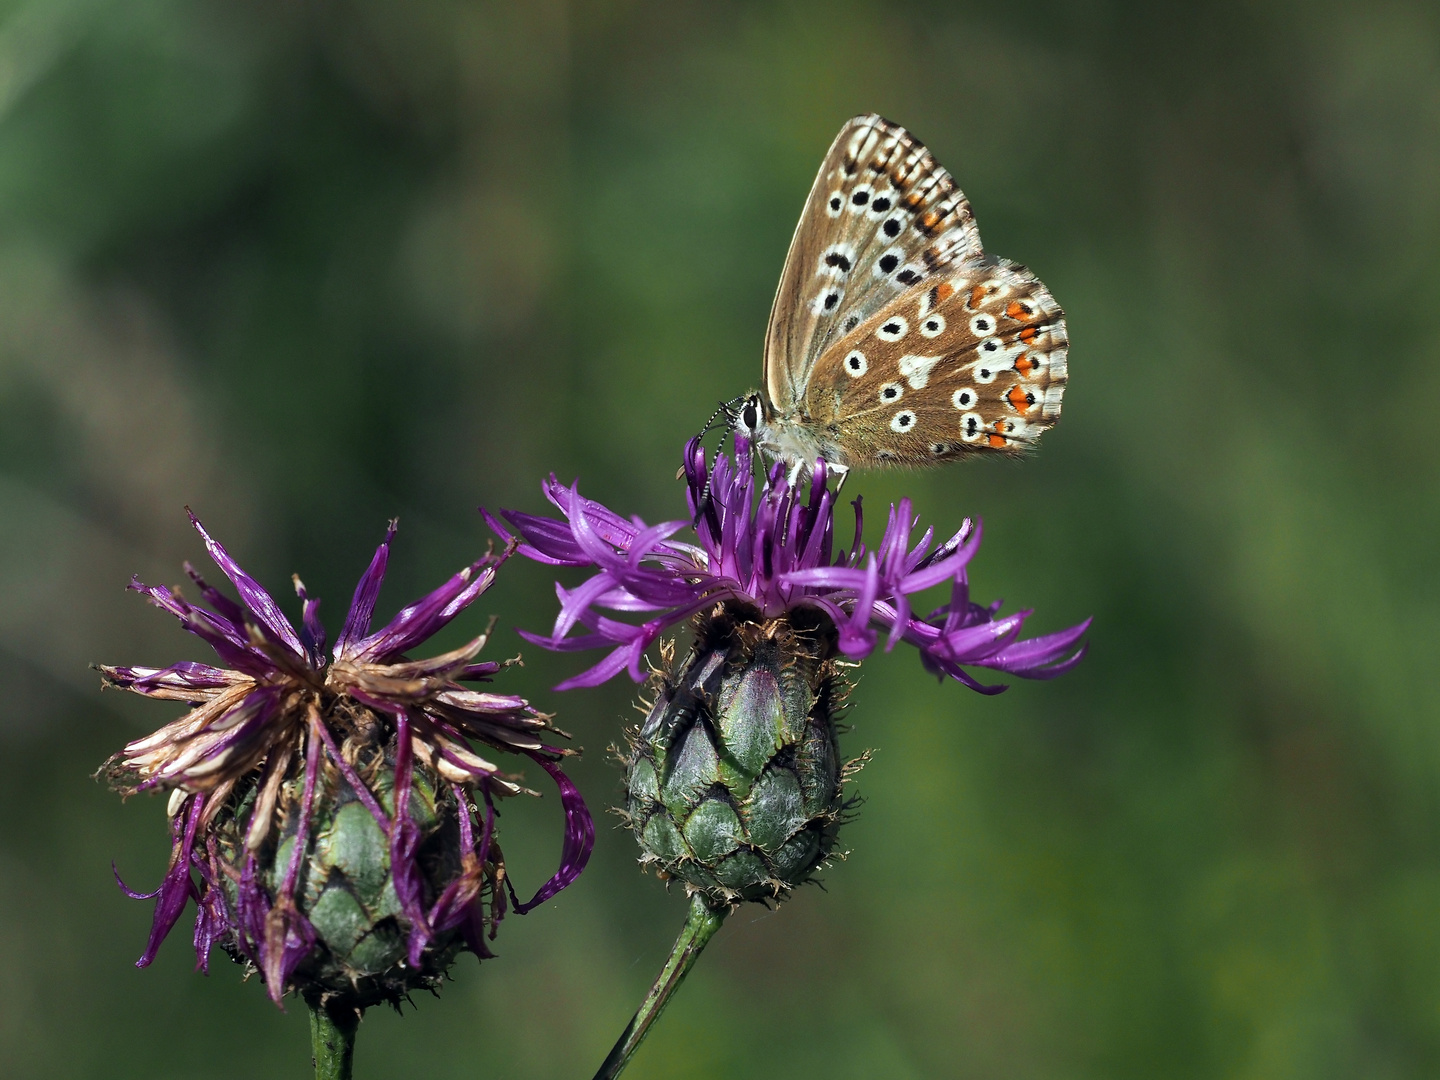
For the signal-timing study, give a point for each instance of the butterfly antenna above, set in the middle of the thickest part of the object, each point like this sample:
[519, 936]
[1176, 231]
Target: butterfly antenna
[728, 408]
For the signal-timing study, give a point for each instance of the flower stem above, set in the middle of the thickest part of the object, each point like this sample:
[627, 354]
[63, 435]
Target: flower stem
[700, 925]
[332, 1039]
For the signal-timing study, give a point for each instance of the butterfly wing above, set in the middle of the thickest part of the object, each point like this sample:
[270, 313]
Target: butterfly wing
[969, 362]
[882, 217]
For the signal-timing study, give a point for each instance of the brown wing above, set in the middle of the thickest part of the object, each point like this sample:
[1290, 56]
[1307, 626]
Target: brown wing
[971, 363]
[881, 217]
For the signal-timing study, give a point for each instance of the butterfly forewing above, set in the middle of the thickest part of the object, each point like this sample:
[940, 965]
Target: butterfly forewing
[969, 361]
[882, 218]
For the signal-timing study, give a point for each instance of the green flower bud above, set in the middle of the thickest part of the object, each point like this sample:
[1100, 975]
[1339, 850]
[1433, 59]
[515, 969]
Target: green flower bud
[734, 779]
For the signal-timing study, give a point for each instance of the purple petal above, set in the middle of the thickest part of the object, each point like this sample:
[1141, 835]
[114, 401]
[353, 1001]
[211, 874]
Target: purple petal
[579, 834]
[367, 591]
[176, 889]
[256, 600]
[422, 619]
[312, 630]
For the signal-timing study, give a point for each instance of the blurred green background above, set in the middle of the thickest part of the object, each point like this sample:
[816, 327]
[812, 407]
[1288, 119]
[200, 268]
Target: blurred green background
[305, 265]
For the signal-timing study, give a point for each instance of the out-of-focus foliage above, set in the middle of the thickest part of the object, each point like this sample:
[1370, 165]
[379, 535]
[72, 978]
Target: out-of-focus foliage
[307, 265]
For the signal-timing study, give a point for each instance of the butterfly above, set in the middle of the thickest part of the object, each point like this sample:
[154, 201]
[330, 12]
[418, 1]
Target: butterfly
[894, 338]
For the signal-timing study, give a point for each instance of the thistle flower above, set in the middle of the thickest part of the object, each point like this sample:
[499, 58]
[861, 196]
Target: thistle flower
[331, 817]
[772, 556]
[734, 779]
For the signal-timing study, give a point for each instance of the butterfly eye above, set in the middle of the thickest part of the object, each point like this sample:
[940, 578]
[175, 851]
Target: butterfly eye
[835, 204]
[982, 325]
[964, 398]
[855, 364]
[891, 392]
[902, 421]
[971, 426]
[932, 326]
[892, 329]
[750, 417]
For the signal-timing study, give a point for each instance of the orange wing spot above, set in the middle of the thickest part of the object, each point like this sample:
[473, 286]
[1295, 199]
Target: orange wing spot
[1029, 334]
[943, 292]
[997, 442]
[1020, 399]
[977, 294]
[1025, 366]
[1019, 312]
[928, 220]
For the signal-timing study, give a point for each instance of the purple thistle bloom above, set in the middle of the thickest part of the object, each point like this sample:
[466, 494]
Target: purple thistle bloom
[774, 553]
[278, 746]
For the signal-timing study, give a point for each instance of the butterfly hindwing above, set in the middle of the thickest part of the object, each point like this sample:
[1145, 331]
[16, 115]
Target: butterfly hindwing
[971, 361]
[882, 217]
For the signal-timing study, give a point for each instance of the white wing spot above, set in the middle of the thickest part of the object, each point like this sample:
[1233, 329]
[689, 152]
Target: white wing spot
[985, 372]
[964, 398]
[932, 326]
[893, 328]
[902, 421]
[887, 262]
[971, 426]
[855, 364]
[825, 302]
[916, 369]
[891, 392]
[982, 325]
[860, 197]
[836, 260]
[835, 204]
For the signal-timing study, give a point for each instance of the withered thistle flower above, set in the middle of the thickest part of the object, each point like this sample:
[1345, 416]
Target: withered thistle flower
[331, 817]
[734, 778]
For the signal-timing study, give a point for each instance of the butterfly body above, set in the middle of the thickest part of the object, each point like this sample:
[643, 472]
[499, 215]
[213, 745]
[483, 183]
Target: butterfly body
[894, 338]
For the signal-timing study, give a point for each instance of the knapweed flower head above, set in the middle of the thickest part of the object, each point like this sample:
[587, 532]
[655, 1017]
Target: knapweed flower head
[734, 778]
[774, 553]
[331, 817]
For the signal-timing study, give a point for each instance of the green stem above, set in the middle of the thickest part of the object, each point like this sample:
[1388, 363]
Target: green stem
[700, 925]
[332, 1039]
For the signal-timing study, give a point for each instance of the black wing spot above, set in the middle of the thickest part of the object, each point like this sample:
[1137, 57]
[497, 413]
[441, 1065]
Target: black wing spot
[852, 322]
[831, 299]
[835, 258]
[891, 228]
[889, 262]
[907, 277]
[860, 198]
[881, 204]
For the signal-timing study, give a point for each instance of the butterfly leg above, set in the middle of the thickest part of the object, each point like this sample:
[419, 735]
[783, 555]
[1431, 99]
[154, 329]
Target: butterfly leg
[841, 474]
